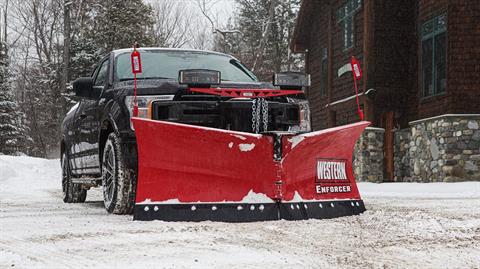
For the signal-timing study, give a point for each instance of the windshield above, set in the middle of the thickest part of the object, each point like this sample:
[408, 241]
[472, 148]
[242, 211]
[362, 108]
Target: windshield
[162, 64]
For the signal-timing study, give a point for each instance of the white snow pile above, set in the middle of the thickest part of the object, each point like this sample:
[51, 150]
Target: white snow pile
[24, 178]
[406, 225]
[462, 190]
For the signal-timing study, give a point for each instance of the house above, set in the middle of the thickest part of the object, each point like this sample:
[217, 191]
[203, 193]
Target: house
[421, 90]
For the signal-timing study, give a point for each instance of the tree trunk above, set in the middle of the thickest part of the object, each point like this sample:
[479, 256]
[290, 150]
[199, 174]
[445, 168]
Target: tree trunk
[264, 40]
[66, 48]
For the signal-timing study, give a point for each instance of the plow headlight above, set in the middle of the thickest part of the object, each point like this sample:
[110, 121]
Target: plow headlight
[144, 104]
[199, 77]
[304, 115]
[291, 80]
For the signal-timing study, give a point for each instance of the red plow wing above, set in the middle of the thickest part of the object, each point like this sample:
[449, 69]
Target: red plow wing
[188, 173]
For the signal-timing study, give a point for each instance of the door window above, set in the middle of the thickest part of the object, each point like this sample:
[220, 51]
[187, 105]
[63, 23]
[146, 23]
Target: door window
[102, 74]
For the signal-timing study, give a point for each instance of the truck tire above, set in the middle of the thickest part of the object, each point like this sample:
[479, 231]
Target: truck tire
[116, 178]
[72, 193]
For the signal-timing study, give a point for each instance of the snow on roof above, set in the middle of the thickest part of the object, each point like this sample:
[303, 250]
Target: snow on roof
[121, 51]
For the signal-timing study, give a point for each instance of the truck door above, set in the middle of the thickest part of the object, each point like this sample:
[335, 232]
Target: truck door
[88, 127]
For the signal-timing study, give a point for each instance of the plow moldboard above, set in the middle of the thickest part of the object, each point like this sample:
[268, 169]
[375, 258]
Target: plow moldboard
[189, 173]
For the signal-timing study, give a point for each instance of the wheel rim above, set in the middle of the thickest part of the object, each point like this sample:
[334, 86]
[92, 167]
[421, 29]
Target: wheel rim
[65, 176]
[108, 175]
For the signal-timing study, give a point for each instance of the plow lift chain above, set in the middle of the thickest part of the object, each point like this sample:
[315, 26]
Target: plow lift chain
[265, 114]
[259, 114]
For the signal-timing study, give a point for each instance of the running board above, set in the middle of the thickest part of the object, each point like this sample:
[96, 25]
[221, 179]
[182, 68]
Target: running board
[88, 181]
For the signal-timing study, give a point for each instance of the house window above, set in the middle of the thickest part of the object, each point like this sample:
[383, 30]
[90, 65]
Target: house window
[324, 72]
[345, 16]
[434, 56]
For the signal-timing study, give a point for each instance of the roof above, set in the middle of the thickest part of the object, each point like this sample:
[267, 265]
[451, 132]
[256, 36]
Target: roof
[300, 34]
[121, 51]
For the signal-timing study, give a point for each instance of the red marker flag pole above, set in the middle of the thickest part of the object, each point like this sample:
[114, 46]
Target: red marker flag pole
[357, 75]
[136, 69]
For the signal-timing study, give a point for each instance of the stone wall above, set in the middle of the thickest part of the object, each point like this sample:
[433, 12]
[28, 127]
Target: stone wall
[440, 149]
[368, 163]
[444, 148]
[401, 160]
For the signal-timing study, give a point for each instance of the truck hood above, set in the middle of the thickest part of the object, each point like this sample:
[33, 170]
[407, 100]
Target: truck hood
[150, 87]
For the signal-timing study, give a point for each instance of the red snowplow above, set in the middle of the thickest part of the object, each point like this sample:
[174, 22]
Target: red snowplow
[189, 172]
[192, 173]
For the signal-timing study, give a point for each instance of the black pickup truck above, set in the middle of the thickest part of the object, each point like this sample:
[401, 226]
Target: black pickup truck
[98, 145]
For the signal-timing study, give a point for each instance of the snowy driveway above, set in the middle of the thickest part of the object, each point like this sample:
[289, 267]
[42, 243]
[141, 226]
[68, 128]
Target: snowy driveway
[406, 226]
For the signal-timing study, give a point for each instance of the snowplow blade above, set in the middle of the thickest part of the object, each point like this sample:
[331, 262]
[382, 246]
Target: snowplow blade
[190, 173]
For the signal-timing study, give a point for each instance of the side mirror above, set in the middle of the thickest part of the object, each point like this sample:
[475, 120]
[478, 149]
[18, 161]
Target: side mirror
[83, 87]
[291, 80]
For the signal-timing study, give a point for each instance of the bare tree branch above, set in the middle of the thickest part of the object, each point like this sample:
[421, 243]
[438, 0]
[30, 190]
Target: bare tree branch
[263, 41]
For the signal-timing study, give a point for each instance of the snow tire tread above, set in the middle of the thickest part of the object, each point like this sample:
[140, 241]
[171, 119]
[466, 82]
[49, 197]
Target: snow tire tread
[73, 193]
[123, 197]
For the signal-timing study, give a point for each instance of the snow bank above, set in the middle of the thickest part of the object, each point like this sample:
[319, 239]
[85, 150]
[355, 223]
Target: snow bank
[24, 178]
[421, 190]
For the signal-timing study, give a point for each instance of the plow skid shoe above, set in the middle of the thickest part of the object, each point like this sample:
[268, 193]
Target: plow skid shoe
[190, 173]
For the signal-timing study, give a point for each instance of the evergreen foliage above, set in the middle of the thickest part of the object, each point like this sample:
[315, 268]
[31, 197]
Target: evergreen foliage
[108, 25]
[119, 24]
[264, 42]
[95, 27]
[13, 136]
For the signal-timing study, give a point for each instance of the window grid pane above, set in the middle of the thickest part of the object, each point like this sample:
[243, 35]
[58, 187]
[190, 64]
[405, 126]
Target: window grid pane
[348, 34]
[324, 72]
[441, 23]
[434, 51]
[427, 29]
[440, 63]
[427, 68]
[345, 16]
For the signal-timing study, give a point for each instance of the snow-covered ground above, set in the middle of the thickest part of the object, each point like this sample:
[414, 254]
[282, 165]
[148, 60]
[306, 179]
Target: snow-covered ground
[406, 226]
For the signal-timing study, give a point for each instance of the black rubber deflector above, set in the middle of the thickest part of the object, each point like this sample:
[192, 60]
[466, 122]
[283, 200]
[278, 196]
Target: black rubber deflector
[248, 212]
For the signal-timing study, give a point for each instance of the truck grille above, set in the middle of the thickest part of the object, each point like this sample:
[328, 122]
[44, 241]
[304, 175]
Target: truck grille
[233, 115]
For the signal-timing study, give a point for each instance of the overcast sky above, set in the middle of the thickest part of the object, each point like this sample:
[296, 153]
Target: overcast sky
[221, 9]
[218, 10]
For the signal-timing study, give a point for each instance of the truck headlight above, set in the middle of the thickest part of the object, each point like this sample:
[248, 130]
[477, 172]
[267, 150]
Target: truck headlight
[304, 111]
[143, 103]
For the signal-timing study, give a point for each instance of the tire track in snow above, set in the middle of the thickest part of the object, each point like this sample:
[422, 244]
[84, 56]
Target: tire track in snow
[44, 255]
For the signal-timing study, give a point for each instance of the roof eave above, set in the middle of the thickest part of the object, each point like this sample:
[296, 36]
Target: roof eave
[297, 44]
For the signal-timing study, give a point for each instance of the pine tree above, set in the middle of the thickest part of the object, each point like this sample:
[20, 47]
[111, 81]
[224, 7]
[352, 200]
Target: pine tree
[12, 129]
[108, 25]
[119, 24]
[266, 28]
[95, 27]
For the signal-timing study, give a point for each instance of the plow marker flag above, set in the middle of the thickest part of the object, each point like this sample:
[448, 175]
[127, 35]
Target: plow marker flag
[189, 173]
